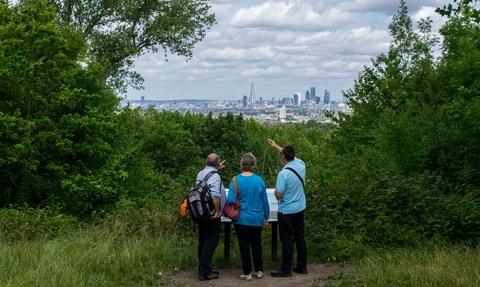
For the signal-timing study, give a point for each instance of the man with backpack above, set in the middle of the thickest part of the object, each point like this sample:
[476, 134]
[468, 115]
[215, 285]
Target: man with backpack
[209, 228]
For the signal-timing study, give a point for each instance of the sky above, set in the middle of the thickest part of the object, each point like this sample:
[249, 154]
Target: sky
[282, 46]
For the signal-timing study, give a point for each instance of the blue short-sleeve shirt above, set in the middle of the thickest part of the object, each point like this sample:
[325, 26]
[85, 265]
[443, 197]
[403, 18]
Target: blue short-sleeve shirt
[289, 184]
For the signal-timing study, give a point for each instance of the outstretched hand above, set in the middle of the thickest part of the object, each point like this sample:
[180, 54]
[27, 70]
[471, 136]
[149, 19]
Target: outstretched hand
[274, 144]
[221, 165]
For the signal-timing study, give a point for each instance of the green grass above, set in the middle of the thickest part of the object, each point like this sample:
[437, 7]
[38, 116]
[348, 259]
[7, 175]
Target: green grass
[87, 260]
[123, 252]
[105, 255]
[433, 266]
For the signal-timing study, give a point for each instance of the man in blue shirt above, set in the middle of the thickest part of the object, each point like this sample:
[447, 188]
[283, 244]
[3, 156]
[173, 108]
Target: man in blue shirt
[209, 229]
[289, 190]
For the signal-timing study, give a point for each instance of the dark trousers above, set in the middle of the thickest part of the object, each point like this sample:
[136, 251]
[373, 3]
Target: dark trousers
[208, 237]
[250, 237]
[291, 229]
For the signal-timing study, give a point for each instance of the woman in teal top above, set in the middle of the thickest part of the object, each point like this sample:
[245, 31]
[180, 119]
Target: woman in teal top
[254, 215]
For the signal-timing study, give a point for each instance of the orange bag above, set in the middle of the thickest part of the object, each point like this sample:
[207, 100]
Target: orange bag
[184, 208]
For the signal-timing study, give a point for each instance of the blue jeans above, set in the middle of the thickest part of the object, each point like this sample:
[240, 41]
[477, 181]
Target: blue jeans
[250, 237]
[291, 229]
[208, 237]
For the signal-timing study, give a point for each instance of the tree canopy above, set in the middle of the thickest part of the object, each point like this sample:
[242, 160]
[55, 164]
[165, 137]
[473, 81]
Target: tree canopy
[120, 31]
[56, 115]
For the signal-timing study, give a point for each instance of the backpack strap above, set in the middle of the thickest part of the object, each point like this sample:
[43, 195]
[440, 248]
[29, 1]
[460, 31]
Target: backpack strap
[289, 168]
[209, 175]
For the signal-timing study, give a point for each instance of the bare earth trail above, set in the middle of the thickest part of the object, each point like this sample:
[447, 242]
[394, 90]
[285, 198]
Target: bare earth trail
[230, 277]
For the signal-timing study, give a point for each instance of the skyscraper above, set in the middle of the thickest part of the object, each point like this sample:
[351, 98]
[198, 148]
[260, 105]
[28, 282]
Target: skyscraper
[307, 95]
[252, 94]
[326, 98]
[244, 102]
[296, 99]
[313, 96]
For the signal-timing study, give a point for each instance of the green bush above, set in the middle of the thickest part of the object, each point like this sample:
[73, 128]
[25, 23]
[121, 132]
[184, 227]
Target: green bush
[29, 223]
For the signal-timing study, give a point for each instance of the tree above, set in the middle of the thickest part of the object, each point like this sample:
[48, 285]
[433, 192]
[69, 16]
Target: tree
[464, 7]
[400, 83]
[119, 31]
[458, 152]
[57, 117]
[395, 77]
[406, 162]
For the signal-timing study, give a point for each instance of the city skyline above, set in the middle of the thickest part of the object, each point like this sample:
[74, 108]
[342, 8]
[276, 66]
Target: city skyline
[296, 98]
[283, 46]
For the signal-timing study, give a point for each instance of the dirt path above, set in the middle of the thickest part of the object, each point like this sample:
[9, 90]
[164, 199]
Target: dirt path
[230, 277]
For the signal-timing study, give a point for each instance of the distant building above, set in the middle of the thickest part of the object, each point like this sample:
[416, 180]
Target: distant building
[252, 94]
[307, 95]
[297, 99]
[326, 98]
[283, 112]
[313, 95]
[142, 100]
[244, 102]
[286, 101]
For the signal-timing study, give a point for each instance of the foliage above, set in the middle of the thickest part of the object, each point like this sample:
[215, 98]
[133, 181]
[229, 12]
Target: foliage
[405, 164]
[430, 265]
[120, 31]
[28, 223]
[314, 123]
[56, 117]
[464, 7]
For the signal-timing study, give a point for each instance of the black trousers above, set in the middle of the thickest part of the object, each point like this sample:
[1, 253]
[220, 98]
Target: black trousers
[250, 237]
[291, 229]
[208, 237]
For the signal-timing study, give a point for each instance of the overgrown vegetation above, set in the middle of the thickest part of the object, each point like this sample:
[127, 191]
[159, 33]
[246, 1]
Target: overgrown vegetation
[401, 172]
[435, 266]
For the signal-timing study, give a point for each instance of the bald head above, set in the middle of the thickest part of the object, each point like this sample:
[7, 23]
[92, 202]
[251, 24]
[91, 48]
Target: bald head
[213, 160]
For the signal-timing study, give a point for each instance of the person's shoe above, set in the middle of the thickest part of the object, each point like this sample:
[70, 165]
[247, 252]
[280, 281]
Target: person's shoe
[213, 271]
[209, 277]
[259, 274]
[299, 271]
[280, 273]
[246, 277]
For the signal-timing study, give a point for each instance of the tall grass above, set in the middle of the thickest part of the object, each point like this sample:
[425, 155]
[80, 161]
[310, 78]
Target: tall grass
[133, 248]
[88, 260]
[124, 250]
[128, 249]
[433, 266]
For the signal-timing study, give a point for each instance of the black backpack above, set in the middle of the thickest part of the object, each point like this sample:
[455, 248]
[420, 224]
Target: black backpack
[200, 202]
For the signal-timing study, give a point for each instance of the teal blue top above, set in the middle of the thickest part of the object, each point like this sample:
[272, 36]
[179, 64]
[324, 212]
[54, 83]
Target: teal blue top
[252, 195]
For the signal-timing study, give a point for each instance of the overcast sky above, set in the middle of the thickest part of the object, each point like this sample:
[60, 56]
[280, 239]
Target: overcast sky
[283, 46]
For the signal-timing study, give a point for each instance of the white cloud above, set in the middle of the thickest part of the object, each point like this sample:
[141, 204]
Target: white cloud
[235, 54]
[284, 46]
[289, 16]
